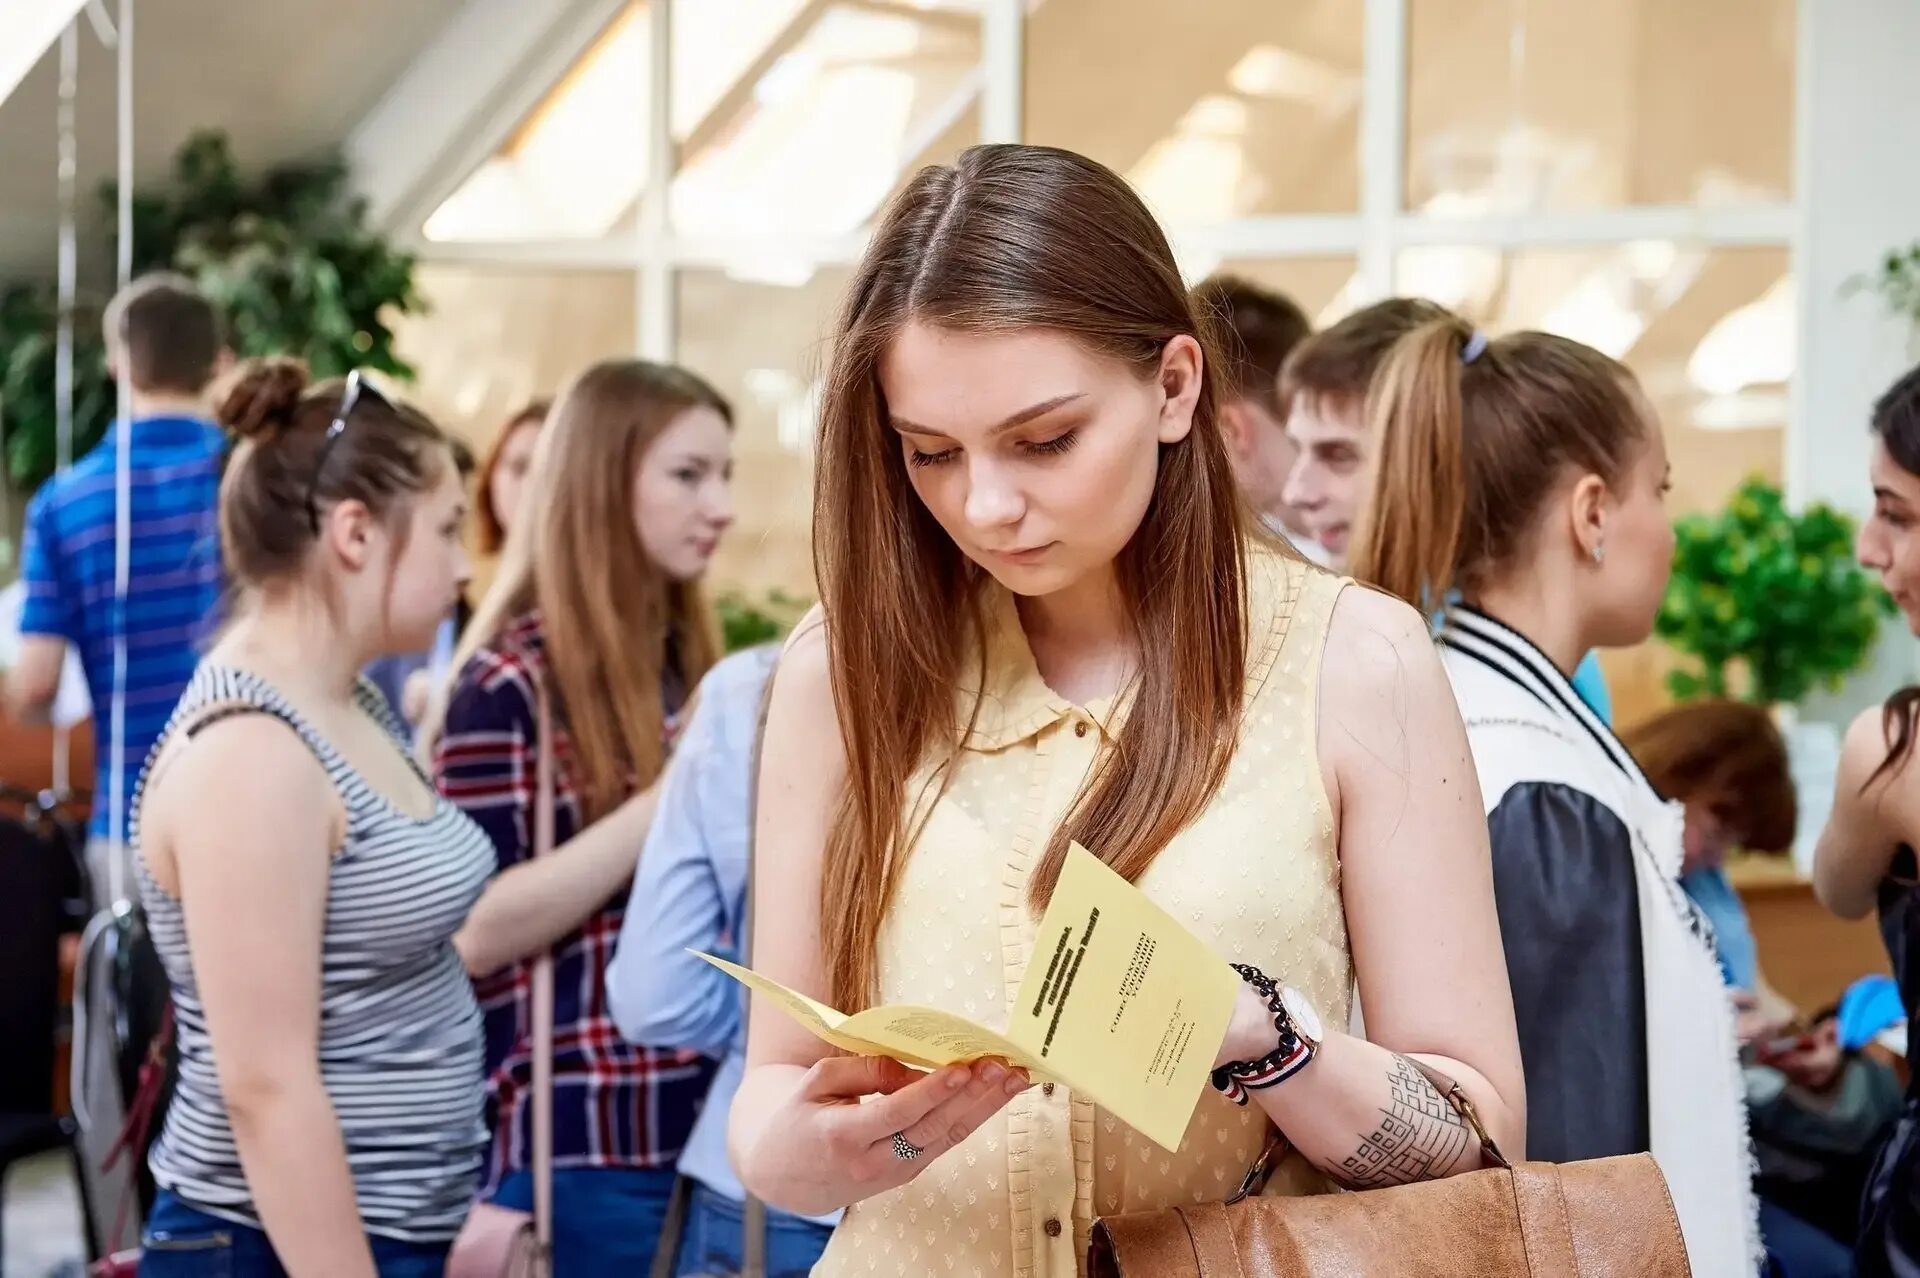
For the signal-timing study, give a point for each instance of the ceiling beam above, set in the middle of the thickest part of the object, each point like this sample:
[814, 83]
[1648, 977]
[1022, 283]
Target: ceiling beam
[28, 29]
[463, 97]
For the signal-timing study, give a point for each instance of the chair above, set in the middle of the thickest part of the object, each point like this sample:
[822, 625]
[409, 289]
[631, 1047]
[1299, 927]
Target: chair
[36, 885]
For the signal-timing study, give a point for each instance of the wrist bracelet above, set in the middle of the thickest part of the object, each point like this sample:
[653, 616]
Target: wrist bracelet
[1294, 1052]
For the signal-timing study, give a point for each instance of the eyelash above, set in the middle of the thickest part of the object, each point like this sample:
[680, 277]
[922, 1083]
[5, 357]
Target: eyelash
[1044, 448]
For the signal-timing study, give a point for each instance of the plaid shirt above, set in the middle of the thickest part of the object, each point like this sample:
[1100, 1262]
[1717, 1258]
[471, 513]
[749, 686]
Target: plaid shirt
[615, 1105]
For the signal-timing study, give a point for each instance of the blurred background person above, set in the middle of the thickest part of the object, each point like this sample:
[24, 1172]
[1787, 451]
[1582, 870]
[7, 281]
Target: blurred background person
[1254, 329]
[1865, 861]
[1817, 1113]
[302, 880]
[503, 477]
[597, 602]
[691, 894]
[1525, 478]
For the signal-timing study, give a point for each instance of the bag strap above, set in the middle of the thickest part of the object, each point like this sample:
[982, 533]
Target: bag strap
[753, 1227]
[1278, 1146]
[542, 991]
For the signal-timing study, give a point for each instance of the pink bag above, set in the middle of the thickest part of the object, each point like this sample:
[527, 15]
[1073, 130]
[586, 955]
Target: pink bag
[500, 1242]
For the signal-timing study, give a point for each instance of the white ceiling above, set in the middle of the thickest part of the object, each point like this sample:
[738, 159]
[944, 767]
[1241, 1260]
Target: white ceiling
[284, 78]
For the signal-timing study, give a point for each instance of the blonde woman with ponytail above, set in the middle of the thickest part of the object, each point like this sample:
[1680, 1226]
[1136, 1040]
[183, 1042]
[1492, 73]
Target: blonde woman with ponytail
[598, 603]
[1521, 482]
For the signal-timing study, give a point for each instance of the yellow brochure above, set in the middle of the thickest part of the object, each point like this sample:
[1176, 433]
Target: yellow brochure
[1119, 1002]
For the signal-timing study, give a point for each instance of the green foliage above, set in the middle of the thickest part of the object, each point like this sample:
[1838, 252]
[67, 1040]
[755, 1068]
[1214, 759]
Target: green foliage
[746, 623]
[1769, 604]
[287, 256]
[1897, 281]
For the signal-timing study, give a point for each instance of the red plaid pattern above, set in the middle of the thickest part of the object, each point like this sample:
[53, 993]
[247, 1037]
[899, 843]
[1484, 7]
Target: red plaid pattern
[615, 1104]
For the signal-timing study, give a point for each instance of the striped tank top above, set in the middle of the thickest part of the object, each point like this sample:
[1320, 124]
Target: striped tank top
[400, 1041]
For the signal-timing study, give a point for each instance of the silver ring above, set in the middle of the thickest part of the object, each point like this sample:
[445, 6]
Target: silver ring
[904, 1149]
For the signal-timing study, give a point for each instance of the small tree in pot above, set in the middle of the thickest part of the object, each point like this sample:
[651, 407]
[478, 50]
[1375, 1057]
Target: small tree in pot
[1768, 604]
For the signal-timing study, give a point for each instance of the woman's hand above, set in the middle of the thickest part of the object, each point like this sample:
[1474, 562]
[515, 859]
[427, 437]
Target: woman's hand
[1251, 1033]
[831, 1149]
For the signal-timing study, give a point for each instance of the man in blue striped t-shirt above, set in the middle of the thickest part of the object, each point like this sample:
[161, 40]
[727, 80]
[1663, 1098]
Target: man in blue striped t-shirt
[163, 338]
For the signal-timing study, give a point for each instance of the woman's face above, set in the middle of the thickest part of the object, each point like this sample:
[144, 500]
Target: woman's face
[1036, 455]
[1631, 579]
[1889, 541]
[683, 495]
[431, 566]
[509, 480]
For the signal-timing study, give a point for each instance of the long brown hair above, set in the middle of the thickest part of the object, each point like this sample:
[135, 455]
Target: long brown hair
[1728, 757]
[611, 619]
[1467, 451]
[1011, 238]
[1896, 423]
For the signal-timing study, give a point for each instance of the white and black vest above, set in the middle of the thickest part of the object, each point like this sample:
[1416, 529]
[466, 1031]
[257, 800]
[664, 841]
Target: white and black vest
[1626, 1028]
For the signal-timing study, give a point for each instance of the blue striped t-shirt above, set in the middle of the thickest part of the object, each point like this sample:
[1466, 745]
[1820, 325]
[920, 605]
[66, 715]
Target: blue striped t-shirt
[174, 581]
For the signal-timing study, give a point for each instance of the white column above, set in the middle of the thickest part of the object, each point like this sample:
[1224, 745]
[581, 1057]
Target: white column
[1859, 193]
[1003, 35]
[1383, 143]
[655, 306]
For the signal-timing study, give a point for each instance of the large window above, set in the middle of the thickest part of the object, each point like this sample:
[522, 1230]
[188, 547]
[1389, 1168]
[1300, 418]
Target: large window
[1579, 168]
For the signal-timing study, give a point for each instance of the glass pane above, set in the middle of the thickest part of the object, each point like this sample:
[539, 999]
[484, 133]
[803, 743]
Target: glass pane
[1709, 332]
[1323, 287]
[838, 106]
[1528, 105]
[764, 345]
[574, 169]
[496, 337]
[1237, 107]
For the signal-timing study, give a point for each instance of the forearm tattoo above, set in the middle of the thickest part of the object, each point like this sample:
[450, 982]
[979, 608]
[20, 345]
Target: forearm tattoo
[1420, 1136]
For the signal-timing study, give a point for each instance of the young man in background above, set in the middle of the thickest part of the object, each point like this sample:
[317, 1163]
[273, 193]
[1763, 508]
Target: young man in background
[1255, 330]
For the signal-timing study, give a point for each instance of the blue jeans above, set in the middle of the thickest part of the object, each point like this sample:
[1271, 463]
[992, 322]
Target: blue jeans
[1796, 1249]
[606, 1220]
[181, 1241]
[713, 1242]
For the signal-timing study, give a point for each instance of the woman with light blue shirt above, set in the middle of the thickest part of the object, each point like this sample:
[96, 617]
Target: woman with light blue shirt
[691, 893]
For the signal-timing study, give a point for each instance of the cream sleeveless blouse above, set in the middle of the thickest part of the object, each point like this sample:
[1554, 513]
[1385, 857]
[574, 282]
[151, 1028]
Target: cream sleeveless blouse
[1257, 875]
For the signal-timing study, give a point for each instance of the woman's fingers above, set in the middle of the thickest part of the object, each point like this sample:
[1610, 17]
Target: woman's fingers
[851, 1077]
[953, 1120]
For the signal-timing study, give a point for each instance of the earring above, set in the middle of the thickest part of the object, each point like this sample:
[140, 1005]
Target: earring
[1600, 552]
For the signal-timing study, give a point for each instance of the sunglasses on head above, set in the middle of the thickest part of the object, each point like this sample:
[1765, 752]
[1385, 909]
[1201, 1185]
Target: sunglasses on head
[357, 387]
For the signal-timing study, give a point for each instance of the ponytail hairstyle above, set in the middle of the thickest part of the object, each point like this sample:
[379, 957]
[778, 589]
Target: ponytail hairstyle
[1470, 436]
[1896, 423]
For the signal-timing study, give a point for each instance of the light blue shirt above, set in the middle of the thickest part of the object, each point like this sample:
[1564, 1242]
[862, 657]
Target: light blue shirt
[1592, 687]
[1732, 935]
[691, 892]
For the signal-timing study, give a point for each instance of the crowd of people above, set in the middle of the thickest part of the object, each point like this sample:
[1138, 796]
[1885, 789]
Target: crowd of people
[1086, 545]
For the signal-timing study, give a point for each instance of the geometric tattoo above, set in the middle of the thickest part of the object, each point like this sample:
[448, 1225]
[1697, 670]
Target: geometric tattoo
[1420, 1136]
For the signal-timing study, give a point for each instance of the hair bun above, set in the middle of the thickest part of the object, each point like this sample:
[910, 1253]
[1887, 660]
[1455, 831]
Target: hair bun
[261, 402]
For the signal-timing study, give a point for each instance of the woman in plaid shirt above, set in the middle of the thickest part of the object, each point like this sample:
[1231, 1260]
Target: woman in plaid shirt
[598, 599]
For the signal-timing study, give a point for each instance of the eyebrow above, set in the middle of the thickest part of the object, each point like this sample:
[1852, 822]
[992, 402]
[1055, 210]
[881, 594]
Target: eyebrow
[1887, 494]
[1020, 418]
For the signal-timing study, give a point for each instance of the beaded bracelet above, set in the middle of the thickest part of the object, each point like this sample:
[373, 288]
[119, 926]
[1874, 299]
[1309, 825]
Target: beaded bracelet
[1237, 1078]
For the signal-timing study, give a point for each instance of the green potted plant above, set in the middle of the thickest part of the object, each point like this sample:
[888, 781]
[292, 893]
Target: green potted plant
[287, 254]
[1767, 606]
[746, 622]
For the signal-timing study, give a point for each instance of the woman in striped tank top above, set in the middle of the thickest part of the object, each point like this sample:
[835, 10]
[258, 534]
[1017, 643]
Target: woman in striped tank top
[303, 881]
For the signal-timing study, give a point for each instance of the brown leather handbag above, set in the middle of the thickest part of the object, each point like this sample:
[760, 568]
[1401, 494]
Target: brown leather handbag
[1607, 1216]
